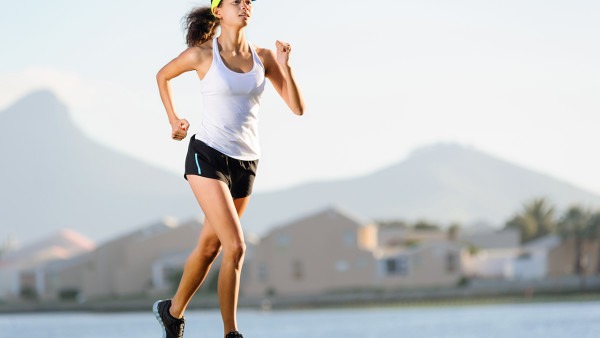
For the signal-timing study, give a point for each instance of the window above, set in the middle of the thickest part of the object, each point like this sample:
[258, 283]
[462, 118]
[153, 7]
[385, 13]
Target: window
[263, 272]
[342, 266]
[350, 238]
[297, 270]
[396, 266]
[390, 266]
[451, 262]
[283, 241]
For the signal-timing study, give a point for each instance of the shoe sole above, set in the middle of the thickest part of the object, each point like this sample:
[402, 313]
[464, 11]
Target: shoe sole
[157, 315]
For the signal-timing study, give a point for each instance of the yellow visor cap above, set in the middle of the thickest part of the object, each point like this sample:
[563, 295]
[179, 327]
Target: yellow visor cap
[215, 3]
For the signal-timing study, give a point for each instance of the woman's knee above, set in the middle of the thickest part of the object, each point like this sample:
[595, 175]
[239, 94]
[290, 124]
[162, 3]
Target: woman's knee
[208, 251]
[234, 251]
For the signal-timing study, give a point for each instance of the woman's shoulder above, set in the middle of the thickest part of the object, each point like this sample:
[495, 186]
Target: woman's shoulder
[198, 53]
[200, 50]
[261, 51]
[266, 55]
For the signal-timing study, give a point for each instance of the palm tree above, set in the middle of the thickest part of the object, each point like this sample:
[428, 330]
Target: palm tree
[594, 230]
[535, 220]
[575, 224]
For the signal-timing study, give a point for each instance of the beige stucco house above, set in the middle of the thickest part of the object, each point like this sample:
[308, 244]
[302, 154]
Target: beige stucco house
[398, 236]
[124, 266]
[325, 251]
[561, 259]
[430, 265]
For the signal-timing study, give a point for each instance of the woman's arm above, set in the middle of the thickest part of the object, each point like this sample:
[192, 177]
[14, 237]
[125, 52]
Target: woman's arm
[279, 72]
[188, 60]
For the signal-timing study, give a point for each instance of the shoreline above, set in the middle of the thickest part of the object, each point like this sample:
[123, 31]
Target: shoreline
[406, 299]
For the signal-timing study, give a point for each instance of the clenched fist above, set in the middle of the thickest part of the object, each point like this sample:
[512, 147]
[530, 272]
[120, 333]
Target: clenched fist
[283, 52]
[179, 129]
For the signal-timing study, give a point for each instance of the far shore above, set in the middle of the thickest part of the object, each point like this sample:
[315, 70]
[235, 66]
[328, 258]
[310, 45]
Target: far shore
[441, 297]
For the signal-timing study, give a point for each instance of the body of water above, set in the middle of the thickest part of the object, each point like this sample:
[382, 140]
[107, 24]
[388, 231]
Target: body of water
[547, 320]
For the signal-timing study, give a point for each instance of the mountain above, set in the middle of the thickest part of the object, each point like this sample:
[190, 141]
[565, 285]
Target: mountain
[441, 183]
[52, 176]
[60, 245]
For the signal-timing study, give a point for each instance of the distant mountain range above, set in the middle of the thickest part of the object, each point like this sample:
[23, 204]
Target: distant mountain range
[52, 176]
[442, 183]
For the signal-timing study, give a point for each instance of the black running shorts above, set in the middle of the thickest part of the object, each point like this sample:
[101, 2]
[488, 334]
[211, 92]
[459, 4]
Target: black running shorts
[205, 161]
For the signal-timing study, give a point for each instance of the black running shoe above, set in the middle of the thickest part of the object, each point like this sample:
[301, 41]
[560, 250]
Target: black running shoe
[234, 334]
[172, 327]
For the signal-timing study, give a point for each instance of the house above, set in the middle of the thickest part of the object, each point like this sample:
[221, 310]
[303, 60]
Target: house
[491, 263]
[398, 235]
[326, 251]
[433, 264]
[22, 270]
[417, 258]
[527, 262]
[561, 258]
[125, 266]
[333, 250]
[492, 239]
[533, 262]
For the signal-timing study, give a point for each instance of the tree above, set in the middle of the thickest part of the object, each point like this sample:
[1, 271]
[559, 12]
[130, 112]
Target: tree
[525, 225]
[575, 223]
[535, 220]
[594, 230]
[393, 224]
[453, 231]
[424, 225]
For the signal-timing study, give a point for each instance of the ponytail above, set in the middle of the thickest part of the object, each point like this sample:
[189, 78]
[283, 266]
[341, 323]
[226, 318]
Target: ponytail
[201, 26]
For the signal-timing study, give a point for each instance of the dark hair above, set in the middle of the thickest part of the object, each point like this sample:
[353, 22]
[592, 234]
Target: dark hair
[201, 26]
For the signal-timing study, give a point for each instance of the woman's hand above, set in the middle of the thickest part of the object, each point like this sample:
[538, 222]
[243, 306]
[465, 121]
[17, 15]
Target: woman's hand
[179, 129]
[283, 53]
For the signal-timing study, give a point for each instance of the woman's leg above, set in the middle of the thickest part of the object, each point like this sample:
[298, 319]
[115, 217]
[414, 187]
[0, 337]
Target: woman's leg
[220, 210]
[229, 281]
[196, 268]
[199, 263]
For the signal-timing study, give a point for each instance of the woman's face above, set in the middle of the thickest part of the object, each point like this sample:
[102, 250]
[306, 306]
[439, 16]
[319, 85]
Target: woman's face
[234, 11]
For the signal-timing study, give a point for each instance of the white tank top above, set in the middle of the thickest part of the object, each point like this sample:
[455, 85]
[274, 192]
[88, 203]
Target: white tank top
[231, 104]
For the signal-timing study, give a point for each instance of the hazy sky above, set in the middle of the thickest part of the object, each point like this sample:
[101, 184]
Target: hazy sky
[518, 79]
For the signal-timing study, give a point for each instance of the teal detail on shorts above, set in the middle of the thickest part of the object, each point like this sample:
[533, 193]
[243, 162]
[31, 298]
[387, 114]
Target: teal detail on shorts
[198, 164]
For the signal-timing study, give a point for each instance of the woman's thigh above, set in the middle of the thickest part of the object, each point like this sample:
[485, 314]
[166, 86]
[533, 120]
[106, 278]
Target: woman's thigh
[208, 236]
[220, 210]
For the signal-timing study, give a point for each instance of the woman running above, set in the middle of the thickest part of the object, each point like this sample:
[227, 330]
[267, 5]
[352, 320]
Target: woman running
[223, 154]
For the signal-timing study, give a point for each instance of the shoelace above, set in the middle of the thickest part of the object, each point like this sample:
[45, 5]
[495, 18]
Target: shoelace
[180, 333]
[178, 326]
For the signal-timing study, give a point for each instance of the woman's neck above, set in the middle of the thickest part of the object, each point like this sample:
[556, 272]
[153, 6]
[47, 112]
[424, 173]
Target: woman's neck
[233, 40]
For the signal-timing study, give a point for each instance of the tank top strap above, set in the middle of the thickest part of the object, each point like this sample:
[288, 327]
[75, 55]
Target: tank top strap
[257, 61]
[216, 53]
